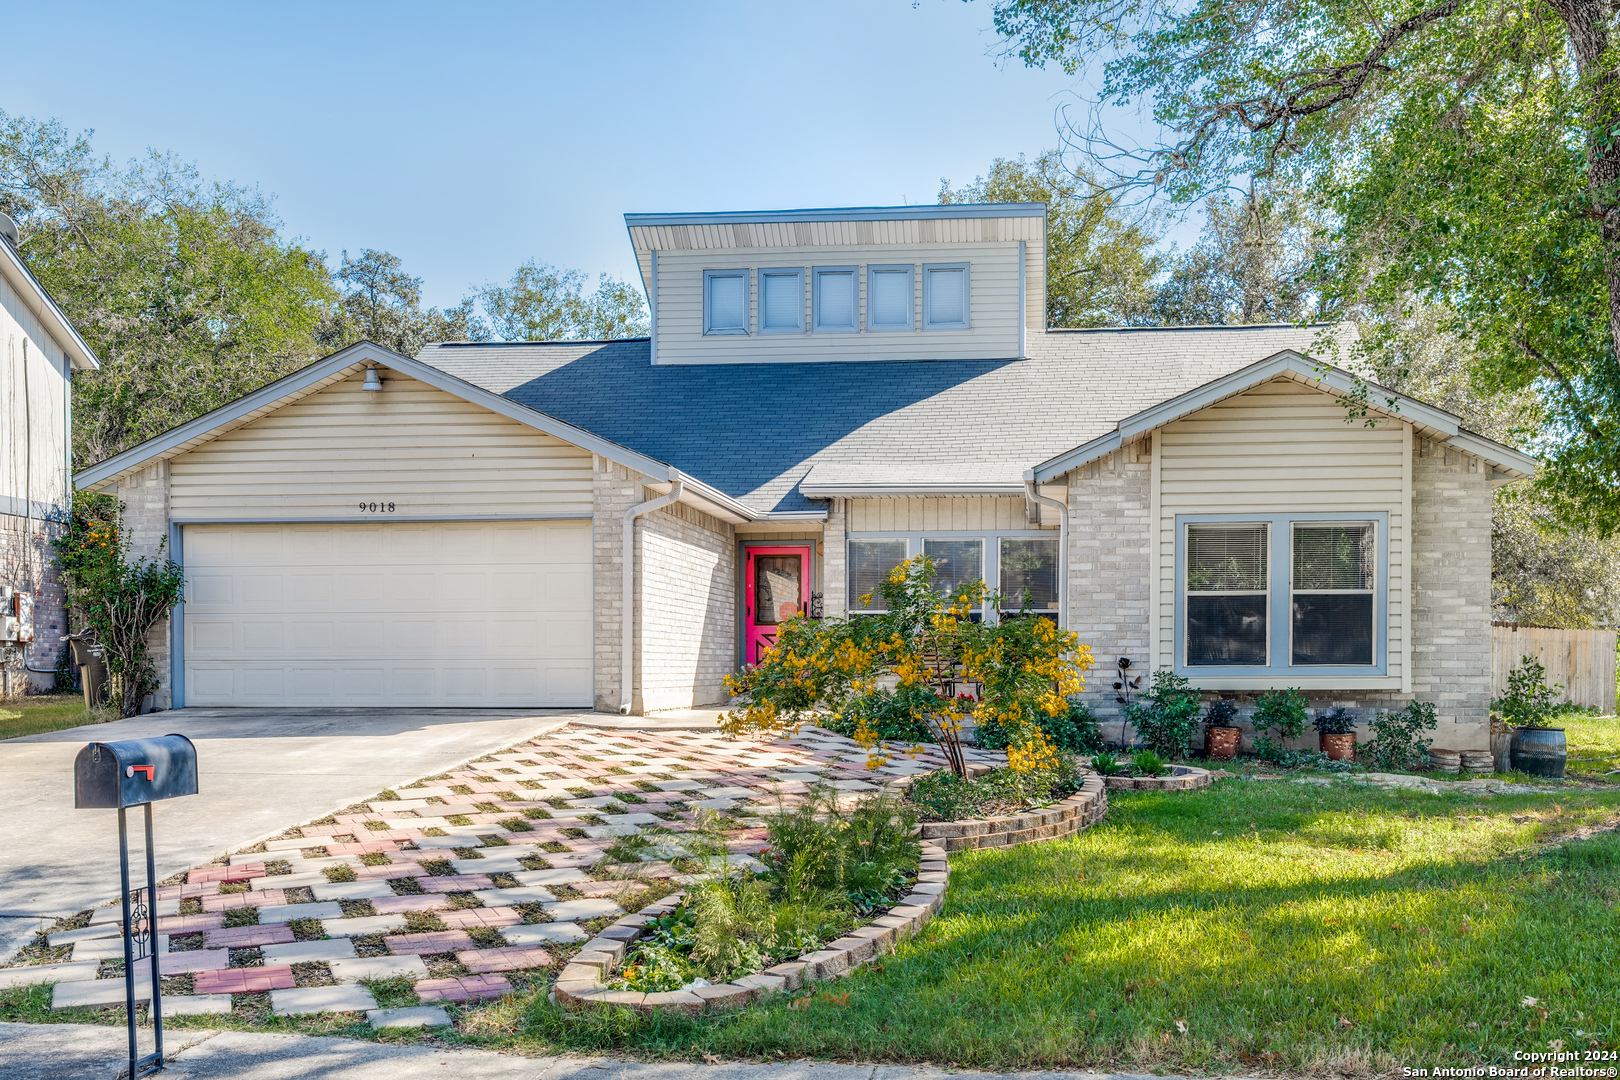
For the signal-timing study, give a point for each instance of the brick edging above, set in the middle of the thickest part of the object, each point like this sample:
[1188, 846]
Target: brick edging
[579, 985]
[1079, 811]
[1186, 778]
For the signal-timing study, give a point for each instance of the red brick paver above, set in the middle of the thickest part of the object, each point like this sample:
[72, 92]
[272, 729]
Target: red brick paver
[247, 937]
[189, 924]
[425, 944]
[396, 905]
[467, 988]
[251, 980]
[257, 898]
[244, 872]
[511, 958]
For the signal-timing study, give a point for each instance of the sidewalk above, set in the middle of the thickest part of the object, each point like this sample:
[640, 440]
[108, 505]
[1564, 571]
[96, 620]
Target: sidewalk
[91, 1052]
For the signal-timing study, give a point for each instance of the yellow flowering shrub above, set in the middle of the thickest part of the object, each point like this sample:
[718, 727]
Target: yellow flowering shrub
[924, 659]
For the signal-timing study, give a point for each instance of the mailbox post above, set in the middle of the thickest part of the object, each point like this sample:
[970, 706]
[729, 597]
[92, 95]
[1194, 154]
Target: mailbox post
[137, 772]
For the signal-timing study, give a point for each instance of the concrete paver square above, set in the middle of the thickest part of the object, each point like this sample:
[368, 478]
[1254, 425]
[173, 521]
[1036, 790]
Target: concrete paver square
[288, 912]
[363, 925]
[97, 994]
[569, 910]
[412, 1017]
[350, 890]
[303, 952]
[355, 968]
[178, 963]
[36, 974]
[562, 876]
[559, 933]
[321, 999]
[196, 1005]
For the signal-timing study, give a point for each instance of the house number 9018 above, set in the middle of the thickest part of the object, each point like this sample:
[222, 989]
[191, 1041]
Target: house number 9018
[377, 508]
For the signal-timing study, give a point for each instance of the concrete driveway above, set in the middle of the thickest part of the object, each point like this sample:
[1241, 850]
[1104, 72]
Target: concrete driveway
[260, 771]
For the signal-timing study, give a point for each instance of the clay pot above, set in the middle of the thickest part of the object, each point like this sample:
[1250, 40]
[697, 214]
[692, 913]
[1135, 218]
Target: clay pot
[1338, 747]
[1221, 743]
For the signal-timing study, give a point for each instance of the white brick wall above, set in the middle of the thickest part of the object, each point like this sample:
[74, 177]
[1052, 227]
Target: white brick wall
[686, 584]
[1110, 532]
[834, 562]
[28, 564]
[614, 490]
[145, 496]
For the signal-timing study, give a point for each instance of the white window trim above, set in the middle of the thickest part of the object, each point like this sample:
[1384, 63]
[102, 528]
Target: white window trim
[797, 274]
[709, 276]
[967, 296]
[910, 271]
[854, 273]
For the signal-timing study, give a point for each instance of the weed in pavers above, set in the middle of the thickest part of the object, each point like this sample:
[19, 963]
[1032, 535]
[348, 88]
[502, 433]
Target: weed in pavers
[423, 922]
[592, 820]
[531, 785]
[487, 937]
[375, 858]
[461, 789]
[503, 881]
[234, 887]
[468, 853]
[487, 807]
[572, 834]
[625, 796]
[339, 874]
[246, 957]
[445, 966]
[461, 900]
[316, 852]
[356, 909]
[516, 824]
[434, 831]
[438, 867]
[306, 929]
[377, 826]
[409, 886]
[533, 913]
[395, 993]
[313, 973]
[556, 803]
[300, 894]
[459, 819]
[185, 942]
[370, 945]
[242, 916]
[493, 840]
[178, 985]
[191, 905]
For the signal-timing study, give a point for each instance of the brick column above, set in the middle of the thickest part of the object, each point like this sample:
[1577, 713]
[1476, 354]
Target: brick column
[614, 490]
[145, 495]
[1110, 568]
[834, 562]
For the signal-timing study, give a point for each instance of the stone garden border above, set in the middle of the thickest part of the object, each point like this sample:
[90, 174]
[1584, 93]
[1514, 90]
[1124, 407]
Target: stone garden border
[1079, 811]
[1181, 778]
[579, 985]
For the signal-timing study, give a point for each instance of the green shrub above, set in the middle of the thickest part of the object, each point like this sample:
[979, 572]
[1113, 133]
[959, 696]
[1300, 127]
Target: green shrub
[942, 796]
[1529, 701]
[1105, 763]
[1282, 712]
[1166, 715]
[1337, 722]
[1221, 713]
[1148, 763]
[889, 714]
[1398, 742]
[1074, 731]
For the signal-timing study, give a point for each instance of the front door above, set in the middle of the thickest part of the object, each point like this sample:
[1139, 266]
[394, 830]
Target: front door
[776, 588]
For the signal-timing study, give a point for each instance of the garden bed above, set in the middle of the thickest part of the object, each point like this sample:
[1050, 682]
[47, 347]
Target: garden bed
[580, 984]
[1178, 778]
[1064, 818]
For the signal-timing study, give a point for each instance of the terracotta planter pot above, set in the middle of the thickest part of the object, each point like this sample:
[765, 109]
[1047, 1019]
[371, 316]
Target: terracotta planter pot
[1221, 743]
[1338, 747]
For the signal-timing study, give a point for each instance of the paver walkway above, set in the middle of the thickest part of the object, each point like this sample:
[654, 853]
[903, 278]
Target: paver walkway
[260, 770]
[480, 873]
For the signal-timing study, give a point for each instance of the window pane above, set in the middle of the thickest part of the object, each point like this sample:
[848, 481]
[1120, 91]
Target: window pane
[956, 562]
[1333, 557]
[1333, 628]
[778, 594]
[728, 302]
[1029, 564]
[837, 300]
[1226, 630]
[1226, 558]
[889, 305]
[947, 299]
[781, 301]
[870, 562]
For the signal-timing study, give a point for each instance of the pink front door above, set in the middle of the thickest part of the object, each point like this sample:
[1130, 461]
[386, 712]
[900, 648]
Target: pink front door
[776, 587]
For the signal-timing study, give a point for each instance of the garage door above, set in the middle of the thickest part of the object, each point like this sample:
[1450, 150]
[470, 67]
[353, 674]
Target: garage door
[388, 614]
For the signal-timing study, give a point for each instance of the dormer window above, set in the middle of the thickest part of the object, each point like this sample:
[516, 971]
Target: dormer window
[834, 301]
[725, 301]
[781, 301]
[945, 296]
[890, 295]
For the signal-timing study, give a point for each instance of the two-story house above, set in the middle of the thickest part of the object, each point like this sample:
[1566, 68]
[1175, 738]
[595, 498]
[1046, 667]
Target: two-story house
[824, 394]
[39, 352]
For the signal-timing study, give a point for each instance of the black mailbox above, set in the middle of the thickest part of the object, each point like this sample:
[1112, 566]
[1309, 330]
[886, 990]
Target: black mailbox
[118, 774]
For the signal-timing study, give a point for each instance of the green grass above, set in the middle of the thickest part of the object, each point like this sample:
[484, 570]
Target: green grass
[44, 712]
[1594, 745]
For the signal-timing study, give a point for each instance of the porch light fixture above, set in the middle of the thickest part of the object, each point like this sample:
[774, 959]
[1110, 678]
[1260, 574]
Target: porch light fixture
[372, 383]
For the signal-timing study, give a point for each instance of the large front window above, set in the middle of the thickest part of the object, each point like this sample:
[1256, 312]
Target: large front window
[1023, 565]
[1227, 597]
[1333, 591]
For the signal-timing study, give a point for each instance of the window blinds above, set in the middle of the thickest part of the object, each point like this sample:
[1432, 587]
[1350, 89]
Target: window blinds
[781, 301]
[835, 296]
[1332, 558]
[1029, 565]
[947, 297]
[728, 301]
[889, 302]
[1226, 558]
[870, 562]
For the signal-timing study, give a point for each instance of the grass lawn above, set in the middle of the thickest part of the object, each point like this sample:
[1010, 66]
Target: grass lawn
[43, 712]
[1594, 744]
[1254, 927]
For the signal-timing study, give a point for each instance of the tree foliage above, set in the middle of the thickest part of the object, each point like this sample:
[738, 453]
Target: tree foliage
[923, 653]
[1100, 261]
[1470, 150]
[381, 303]
[544, 303]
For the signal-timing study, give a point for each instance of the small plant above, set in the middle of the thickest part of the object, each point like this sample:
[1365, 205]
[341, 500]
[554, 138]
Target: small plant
[1166, 715]
[1074, 731]
[1337, 722]
[1220, 714]
[1105, 763]
[1282, 712]
[1148, 763]
[1529, 701]
[1398, 741]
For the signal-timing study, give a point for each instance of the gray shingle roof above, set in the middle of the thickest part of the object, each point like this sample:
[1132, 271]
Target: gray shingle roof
[756, 430]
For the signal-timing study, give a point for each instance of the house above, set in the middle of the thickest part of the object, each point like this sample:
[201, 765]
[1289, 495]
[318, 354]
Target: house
[824, 393]
[41, 351]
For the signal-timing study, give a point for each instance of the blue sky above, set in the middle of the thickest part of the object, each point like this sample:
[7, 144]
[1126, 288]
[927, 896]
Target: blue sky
[468, 138]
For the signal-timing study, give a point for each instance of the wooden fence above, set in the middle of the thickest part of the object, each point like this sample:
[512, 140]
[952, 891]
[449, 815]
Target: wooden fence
[1582, 660]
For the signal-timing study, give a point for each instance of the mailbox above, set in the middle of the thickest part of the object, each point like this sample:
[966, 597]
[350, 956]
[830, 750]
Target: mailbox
[114, 775]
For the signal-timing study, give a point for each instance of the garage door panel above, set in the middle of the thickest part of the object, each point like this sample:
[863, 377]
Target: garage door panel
[388, 614]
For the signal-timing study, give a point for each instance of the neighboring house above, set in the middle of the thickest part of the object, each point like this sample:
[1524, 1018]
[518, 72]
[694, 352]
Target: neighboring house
[825, 393]
[39, 352]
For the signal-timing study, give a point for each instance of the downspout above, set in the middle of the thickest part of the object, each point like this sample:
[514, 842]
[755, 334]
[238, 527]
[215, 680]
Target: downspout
[627, 648]
[1032, 489]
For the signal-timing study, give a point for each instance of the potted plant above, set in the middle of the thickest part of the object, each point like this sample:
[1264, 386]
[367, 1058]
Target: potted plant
[1528, 706]
[1221, 732]
[1336, 734]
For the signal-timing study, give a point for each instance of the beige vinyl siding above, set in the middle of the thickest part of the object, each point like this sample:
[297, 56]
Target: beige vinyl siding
[978, 513]
[994, 331]
[1283, 448]
[33, 412]
[429, 453]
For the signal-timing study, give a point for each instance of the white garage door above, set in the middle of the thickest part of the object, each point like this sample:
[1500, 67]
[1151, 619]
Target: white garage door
[388, 614]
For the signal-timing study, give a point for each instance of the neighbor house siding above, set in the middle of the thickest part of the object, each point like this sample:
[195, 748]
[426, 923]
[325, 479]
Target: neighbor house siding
[686, 573]
[976, 513]
[428, 453]
[1285, 448]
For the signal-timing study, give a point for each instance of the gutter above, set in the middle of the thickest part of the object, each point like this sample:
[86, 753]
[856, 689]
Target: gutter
[1032, 490]
[627, 619]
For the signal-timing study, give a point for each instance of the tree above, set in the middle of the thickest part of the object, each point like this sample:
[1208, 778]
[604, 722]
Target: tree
[1469, 148]
[1100, 261]
[382, 304]
[183, 287]
[544, 303]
